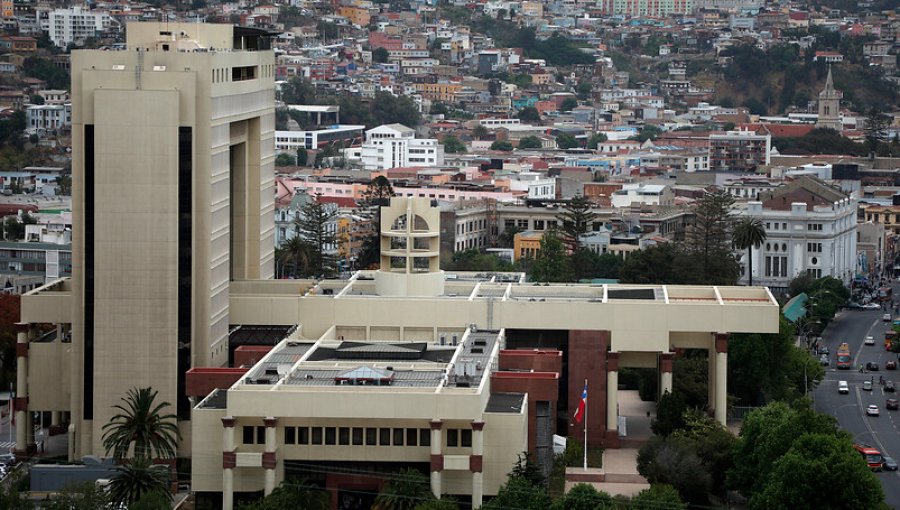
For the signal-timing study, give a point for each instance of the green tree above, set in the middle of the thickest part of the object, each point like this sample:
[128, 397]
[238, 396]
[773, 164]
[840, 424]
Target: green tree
[452, 145]
[608, 266]
[143, 423]
[368, 230]
[293, 258]
[137, 479]
[807, 476]
[659, 496]
[584, 90]
[648, 132]
[475, 260]
[669, 414]
[404, 491]
[749, 233]
[595, 140]
[380, 55]
[527, 469]
[387, 108]
[44, 69]
[551, 263]
[315, 228]
[530, 142]
[479, 132]
[709, 238]
[529, 115]
[767, 434]
[501, 145]
[875, 129]
[567, 104]
[290, 495]
[566, 141]
[585, 264]
[583, 496]
[671, 461]
[298, 90]
[328, 31]
[665, 263]
[36, 99]
[520, 494]
[64, 185]
[155, 500]
[11, 497]
[302, 156]
[713, 444]
[284, 160]
[445, 503]
[82, 496]
[577, 218]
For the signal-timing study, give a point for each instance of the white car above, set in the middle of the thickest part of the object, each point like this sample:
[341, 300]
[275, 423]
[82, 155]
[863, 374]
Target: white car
[870, 340]
[872, 410]
[886, 317]
[872, 306]
[867, 385]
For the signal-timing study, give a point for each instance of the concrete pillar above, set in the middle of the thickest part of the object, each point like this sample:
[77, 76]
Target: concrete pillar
[721, 378]
[229, 460]
[476, 461]
[711, 378]
[437, 457]
[21, 402]
[612, 400]
[666, 360]
[269, 460]
[55, 418]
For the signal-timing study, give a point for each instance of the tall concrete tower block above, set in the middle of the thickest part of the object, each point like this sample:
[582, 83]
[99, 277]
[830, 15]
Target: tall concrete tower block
[172, 169]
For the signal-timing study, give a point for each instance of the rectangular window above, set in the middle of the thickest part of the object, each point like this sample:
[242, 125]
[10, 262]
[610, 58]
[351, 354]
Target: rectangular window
[330, 436]
[344, 436]
[465, 438]
[290, 435]
[371, 436]
[411, 437]
[424, 437]
[357, 436]
[317, 435]
[248, 435]
[303, 435]
[260, 435]
[398, 437]
[88, 349]
[384, 437]
[452, 438]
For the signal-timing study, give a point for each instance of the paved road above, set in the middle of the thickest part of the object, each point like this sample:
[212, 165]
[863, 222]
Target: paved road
[883, 432]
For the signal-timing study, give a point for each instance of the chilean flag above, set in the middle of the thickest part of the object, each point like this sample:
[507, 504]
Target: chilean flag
[579, 413]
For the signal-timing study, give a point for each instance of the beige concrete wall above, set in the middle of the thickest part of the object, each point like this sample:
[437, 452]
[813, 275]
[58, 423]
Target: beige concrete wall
[505, 437]
[48, 376]
[48, 308]
[206, 458]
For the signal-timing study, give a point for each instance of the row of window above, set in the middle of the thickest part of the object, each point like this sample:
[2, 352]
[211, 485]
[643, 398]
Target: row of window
[359, 436]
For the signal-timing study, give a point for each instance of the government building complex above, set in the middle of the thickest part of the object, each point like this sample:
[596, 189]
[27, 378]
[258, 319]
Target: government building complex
[342, 382]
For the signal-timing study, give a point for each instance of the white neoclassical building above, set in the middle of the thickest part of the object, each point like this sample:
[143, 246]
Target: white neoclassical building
[810, 228]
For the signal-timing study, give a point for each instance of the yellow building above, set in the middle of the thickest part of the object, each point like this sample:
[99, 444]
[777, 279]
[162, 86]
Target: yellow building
[442, 91]
[526, 245]
[357, 15]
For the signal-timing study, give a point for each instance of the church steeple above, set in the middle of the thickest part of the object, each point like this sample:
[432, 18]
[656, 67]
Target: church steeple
[829, 106]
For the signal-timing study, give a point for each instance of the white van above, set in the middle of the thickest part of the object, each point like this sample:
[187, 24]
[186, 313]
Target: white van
[843, 387]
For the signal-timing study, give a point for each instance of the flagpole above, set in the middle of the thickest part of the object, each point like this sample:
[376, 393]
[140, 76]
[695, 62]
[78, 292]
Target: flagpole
[585, 428]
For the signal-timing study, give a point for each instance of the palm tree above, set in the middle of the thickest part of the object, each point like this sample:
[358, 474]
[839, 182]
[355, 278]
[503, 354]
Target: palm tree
[295, 253]
[141, 422]
[137, 480]
[292, 494]
[748, 234]
[404, 491]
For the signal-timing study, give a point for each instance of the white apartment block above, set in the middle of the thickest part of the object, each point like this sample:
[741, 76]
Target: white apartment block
[649, 194]
[47, 117]
[810, 228]
[67, 26]
[395, 145]
[537, 186]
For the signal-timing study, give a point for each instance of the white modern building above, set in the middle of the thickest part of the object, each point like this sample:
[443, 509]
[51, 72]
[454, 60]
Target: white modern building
[76, 24]
[47, 117]
[290, 141]
[641, 193]
[810, 228]
[537, 186]
[395, 145]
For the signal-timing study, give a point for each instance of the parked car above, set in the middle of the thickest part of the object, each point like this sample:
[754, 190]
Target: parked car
[892, 404]
[889, 464]
[872, 306]
[889, 386]
[870, 340]
[872, 410]
[824, 360]
[872, 366]
[867, 385]
[890, 365]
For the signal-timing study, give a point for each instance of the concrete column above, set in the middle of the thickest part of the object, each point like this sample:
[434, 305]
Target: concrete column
[721, 378]
[229, 459]
[437, 457]
[21, 402]
[269, 460]
[476, 462]
[612, 399]
[55, 418]
[666, 360]
[711, 377]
